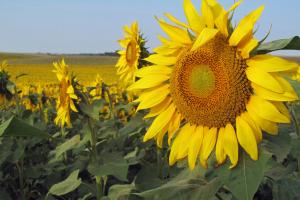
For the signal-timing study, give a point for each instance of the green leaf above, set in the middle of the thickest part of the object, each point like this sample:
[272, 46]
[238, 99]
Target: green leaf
[244, 180]
[66, 186]
[282, 44]
[186, 185]
[68, 145]
[118, 192]
[17, 127]
[113, 164]
[92, 110]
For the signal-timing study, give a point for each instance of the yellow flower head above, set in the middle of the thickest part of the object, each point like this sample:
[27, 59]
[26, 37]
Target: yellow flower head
[129, 57]
[65, 101]
[207, 91]
[97, 91]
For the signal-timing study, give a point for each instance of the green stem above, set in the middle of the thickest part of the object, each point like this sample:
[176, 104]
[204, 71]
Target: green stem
[93, 141]
[111, 106]
[159, 162]
[21, 178]
[293, 114]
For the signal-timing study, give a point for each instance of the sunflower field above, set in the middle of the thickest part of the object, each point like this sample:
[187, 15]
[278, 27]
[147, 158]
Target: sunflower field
[211, 113]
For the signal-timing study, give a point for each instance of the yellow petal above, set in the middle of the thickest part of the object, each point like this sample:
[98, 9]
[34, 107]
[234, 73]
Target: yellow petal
[207, 14]
[175, 20]
[263, 79]
[231, 147]
[246, 138]
[245, 27]
[221, 20]
[248, 47]
[160, 122]
[265, 125]
[154, 69]
[282, 108]
[187, 132]
[274, 96]
[209, 142]
[266, 110]
[161, 60]
[156, 110]
[175, 147]
[255, 127]
[206, 35]
[148, 82]
[195, 146]
[270, 63]
[153, 97]
[220, 153]
[160, 136]
[216, 8]
[287, 87]
[222, 24]
[195, 21]
[175, 33]
[173, 126]
[72, 106]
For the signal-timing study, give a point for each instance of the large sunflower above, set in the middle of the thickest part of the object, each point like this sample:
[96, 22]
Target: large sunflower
[207, 90]
[64, 103]
[132, 54]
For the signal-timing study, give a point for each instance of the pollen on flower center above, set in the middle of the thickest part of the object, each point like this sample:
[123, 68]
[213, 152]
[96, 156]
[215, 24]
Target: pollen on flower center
[209, 85]
[202, 80]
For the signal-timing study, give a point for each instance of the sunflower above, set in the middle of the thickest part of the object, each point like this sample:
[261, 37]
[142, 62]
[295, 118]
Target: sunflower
[208, 90]
[97, 92]
[131, 57]
[65, 101]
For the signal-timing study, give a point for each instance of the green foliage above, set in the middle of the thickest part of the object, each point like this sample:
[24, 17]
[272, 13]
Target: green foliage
[18, 127]
[66, 186]
[282, 44]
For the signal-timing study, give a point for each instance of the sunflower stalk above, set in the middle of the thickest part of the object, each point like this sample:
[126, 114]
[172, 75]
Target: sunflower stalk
[93, 141]
[159, 162]
[294, 119]
[111, 106]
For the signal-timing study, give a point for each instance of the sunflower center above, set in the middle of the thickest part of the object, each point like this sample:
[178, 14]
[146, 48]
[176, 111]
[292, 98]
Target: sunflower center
[63, 92]
[202, 80]
[209, 86]
[131, 52]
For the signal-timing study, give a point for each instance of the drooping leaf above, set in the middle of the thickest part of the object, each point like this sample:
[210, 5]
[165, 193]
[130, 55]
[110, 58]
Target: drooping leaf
[113, 164]
[282, 44]
[92, 110]
[17, 127]
[68, 185]
[69, 144]
[119, 192]
[186, 185]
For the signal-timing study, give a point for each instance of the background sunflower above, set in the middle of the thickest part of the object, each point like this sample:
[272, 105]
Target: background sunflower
[132, 57]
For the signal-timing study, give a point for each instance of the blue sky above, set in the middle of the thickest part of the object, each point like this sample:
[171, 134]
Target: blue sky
[93, 26]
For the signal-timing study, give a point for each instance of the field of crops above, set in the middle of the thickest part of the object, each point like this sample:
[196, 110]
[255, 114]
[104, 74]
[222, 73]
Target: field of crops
[38, 67]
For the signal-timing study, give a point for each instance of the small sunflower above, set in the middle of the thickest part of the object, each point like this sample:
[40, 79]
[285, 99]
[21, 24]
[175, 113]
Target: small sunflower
[97, 92]
[131, 57]
[208, 91]
[65, 101]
